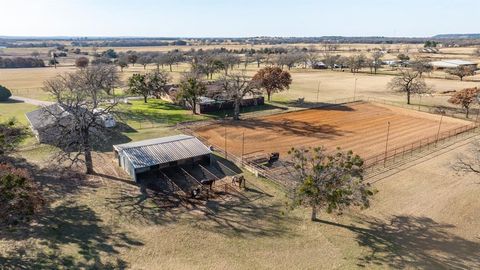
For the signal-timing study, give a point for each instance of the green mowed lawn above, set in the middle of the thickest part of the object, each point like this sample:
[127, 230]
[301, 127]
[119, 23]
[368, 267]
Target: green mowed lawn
[17, 110]
[155, 111]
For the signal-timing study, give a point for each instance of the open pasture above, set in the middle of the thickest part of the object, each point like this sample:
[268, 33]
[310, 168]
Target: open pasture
[361, 127]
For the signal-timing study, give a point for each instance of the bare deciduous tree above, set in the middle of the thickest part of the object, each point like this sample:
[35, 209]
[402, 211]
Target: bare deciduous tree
[462, 71]
[82, 104]
[259, 58]
[356, 62]
[236, 87]
[331, 60]
[144, 60]
[469, 162]
[409, 82]
[421, 65]
[377, 60]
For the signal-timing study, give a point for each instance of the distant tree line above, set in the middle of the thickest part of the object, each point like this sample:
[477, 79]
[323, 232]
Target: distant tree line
[448, 40]
[21, 62]
[129, 43]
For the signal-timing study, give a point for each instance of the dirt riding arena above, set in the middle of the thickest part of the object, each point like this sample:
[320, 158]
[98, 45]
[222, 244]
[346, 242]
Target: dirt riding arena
[360, 126]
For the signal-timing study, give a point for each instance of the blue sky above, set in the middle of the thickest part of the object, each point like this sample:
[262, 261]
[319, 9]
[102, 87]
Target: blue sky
[238, 18]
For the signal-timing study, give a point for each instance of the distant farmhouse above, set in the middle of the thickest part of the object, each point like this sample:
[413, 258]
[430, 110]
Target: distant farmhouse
[452, 64]
[42, 121]
[214, 100]
[319, 65]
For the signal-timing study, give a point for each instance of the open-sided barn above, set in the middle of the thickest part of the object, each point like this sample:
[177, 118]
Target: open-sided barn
[138, 159]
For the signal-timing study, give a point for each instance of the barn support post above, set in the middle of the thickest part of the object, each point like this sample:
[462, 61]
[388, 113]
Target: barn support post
[226, 153]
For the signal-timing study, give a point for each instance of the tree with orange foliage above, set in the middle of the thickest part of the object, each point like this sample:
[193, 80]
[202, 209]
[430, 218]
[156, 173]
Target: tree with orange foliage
[465, 98]
[272, 80]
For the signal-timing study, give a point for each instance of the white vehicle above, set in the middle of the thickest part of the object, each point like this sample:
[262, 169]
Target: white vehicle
[107, 119]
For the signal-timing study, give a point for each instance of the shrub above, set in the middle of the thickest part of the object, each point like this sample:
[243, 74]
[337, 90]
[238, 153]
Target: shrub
[21, 62]
[20, 197]
[5, 94]
[82, 62]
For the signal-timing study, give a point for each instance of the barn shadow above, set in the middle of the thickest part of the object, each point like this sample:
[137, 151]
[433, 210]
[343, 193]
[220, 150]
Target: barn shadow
[411, 242]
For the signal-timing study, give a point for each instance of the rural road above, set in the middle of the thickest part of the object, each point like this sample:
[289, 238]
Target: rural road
[32, 101]
[46, 103]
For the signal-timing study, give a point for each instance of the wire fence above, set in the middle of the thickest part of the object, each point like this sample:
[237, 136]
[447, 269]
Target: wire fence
[394, 154]
[440, 110]
[388, 157]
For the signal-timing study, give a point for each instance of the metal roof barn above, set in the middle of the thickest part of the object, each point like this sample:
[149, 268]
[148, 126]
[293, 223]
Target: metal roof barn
[452, 63]
[163, 152]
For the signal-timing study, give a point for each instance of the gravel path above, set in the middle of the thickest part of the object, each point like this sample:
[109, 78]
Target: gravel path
[32, 101]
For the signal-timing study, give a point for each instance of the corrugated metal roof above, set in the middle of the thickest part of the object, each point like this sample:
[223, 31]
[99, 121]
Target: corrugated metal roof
[162, 150]
[451, 63]
[43, 117]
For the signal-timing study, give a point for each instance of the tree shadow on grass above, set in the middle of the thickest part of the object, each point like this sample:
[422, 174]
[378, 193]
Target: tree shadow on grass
[412, 242]
[151, 207]
[11, 101]
[41, 243]
[243, 214]
[55, 181]
[77, 226]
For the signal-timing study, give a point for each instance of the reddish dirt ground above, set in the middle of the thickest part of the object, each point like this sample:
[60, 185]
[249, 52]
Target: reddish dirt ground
[361, 127]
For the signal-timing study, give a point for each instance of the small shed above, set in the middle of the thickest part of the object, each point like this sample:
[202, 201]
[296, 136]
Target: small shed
[142, 157]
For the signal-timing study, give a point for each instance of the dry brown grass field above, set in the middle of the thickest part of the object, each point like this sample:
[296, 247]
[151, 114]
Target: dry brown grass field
[333, 84]
[27, 82]
[424, 216]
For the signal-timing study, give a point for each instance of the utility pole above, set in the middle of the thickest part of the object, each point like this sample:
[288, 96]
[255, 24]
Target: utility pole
[420, 102]
[355, 88]
[386, 144]
[318, 90]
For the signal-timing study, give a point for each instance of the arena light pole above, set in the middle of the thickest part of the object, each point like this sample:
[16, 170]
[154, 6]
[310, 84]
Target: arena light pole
[226, 155]
[243, 145]
[439, 127]
[386, 144]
